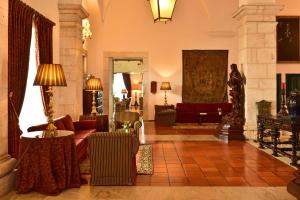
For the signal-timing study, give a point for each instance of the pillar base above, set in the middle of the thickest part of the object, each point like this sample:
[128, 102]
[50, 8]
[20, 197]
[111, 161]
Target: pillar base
[7, 174]
[227, 132]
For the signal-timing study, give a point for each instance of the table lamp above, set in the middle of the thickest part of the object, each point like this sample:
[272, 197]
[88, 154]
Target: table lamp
[94, 85]
[136, 88]
[165, 86]
[124, 91]
[50, 75]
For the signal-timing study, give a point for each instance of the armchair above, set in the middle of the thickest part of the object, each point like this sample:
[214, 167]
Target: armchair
[113, 158]
[132, 117]
[165, 115]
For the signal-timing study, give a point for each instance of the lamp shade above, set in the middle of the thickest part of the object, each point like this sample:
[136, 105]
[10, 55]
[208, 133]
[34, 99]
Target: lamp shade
[94, 84]
[124, 91]
[136, 87]
[162, 10]
[50, 75]
[165, 86]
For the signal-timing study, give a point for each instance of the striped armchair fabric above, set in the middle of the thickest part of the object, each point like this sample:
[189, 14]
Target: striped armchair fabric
[113, 158]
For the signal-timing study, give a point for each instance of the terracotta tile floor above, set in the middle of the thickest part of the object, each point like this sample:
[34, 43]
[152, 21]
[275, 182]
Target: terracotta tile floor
[214, 164]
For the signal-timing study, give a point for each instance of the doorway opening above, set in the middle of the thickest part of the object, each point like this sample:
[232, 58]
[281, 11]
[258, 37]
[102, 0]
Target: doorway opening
[127, 85]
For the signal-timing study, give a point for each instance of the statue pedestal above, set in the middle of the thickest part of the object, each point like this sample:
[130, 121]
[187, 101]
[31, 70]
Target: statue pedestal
[228, 132]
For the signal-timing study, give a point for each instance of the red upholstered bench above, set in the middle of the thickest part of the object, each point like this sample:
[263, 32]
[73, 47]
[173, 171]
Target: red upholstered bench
[81, 129]
[190, 112]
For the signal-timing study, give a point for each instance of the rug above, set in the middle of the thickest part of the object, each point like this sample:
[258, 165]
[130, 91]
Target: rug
[144, 161]
[195, 126]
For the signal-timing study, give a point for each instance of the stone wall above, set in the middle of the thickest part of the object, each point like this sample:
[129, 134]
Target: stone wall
[257, 54]
[6, 163]
[69, 99]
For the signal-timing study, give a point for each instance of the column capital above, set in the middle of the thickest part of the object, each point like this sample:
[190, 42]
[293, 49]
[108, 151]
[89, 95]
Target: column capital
[71, 12]
[257, 9]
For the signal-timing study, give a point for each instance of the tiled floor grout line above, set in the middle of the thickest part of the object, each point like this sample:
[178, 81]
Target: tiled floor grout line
[163, 149]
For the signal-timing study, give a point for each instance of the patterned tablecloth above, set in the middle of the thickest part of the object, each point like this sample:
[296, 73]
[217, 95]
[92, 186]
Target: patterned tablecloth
[48, 165]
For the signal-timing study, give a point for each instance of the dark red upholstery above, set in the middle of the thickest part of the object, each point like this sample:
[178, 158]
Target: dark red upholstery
[189, 112]
[82, 129]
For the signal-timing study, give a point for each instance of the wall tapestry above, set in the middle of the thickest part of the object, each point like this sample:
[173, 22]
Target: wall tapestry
[204, 76]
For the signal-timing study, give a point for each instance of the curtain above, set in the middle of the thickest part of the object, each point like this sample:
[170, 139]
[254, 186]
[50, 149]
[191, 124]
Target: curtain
[19, 38]
[127, 82]
[44, 29]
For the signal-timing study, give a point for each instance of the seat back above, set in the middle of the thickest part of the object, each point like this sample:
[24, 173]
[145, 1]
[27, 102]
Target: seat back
[112, 158]
[132, 117]
[264, 107]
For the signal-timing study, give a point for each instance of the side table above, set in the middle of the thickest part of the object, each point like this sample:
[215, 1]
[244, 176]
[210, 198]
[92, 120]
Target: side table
[102, 124]
[48, 165]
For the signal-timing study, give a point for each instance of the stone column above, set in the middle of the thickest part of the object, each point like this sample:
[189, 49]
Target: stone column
[7, 163]
[69, 99]
[257, 53]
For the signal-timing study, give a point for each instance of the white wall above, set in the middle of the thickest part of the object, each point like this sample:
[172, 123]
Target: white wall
[128, 27]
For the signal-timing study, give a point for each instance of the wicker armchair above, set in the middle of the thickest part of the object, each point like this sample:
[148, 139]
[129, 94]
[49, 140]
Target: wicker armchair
[113, 158]
[132, 117]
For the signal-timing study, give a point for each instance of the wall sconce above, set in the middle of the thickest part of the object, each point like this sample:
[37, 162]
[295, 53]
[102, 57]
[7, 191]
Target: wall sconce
[162, 10]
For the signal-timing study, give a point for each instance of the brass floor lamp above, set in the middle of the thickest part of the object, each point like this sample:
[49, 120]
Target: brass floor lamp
[50, 75]
[94, 85]
[165, 86]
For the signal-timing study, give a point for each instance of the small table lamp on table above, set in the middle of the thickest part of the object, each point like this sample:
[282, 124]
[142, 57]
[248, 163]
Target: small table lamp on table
[124, 92]
[165, 86]
[94, 85]
[136, 88]
[50, 75]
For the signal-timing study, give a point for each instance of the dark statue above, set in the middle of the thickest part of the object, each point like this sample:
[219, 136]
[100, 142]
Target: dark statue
[237, 98]
[233, 123]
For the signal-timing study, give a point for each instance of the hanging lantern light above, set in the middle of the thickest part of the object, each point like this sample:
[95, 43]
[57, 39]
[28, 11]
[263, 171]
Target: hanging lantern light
[162, 9]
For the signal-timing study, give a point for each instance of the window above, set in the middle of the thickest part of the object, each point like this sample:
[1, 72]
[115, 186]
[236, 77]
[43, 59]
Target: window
[118, 85]
[32, 112]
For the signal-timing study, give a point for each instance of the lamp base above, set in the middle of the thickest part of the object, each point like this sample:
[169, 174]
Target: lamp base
[51, 131]
[51, 128]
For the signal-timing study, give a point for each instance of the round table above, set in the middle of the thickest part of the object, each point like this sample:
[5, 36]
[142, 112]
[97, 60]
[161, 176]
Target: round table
[47, 165]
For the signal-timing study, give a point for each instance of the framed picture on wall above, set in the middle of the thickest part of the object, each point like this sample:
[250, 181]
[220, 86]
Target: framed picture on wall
[288, 38]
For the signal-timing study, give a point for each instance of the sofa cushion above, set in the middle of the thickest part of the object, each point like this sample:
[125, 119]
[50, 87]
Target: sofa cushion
[67, 121]
[59, 125]
[83, 134]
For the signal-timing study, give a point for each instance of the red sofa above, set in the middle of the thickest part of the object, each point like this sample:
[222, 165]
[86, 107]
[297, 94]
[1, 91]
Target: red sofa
[81, 129]
[190, 112]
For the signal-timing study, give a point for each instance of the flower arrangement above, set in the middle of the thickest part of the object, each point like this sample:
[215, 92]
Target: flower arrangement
[126, 125]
